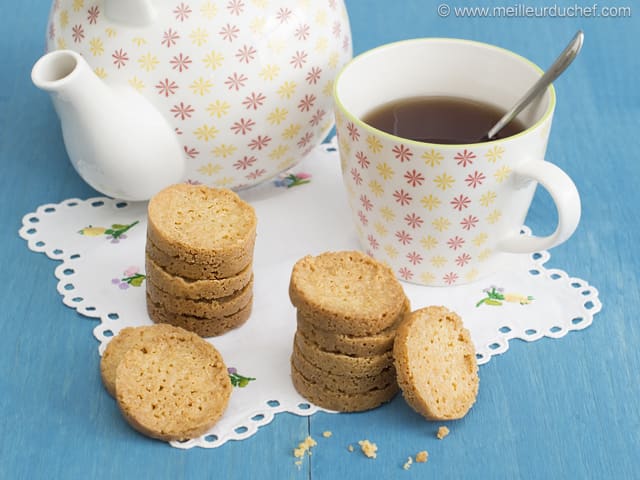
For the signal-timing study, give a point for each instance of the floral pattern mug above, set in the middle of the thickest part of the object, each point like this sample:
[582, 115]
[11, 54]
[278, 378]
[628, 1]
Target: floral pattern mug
[447, 214]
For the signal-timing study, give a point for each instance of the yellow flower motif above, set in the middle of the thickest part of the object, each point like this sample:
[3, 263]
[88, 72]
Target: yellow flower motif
[472, 275]
[494, 216]
[61, 43]
[480, 239]
[391, 251]
[502, 173]
[328, 88]
[374, 144]
[64, 18]
[218, 108]
[139, 41]
[286, 163]
[321, 45]
[277, 116]
[287, 89]
[291, 131]
[213, 60]
[223, 150]
[387, 214]
[441, 224]
[438, 261]
[137, 84]
[257, 25]
[430, 202]
[111, 32]
[385, 170]
[210, 169]
[376, 188]
[321, 17]
[333, 59]
[444, 181]
[100, 72]
[260, 3]
[494, 153]
[428, 242]
[432, 158]
[487, 198]
[148, 62]
[199, 36]
[224, 182]
[77, 5]
[92, 231]
[208, 10]
[427, 278]
[201, 86]
[96, 47]
[269, 72]
[206, 133]
[278, 152]
[483, 255]
[380, 229]
[277, 45]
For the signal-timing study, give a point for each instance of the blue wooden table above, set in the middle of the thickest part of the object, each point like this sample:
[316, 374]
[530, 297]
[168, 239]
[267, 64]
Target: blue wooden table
[566, 408]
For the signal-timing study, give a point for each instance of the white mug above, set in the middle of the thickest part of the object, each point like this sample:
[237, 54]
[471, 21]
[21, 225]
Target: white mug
[447, 214]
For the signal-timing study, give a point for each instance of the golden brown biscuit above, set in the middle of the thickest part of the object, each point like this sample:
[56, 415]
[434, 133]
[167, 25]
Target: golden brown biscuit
[436, 364]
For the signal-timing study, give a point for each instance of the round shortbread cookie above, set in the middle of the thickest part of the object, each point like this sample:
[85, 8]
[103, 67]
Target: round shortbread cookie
[207, 308]
[340, 364]
[199, 224]
[346, 292]
[341, 383]
[351, 344]
[205, 327]
[436, 364]
[198, 271]
[196, 289]
[126, 339]
[174, 387]
[340, 401]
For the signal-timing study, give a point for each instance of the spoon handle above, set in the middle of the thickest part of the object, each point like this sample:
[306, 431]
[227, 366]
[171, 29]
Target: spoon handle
[559, 66]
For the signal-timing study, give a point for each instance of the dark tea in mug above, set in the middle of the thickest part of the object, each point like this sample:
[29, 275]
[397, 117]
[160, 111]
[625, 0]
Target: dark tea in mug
[440, 119]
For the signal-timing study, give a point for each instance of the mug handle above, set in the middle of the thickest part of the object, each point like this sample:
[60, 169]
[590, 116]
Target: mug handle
[566, 198]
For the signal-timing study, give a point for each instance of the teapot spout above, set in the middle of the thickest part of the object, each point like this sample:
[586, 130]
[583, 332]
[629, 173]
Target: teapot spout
[116, 139]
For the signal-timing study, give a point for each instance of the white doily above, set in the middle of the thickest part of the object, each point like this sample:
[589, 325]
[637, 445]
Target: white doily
[100, 243]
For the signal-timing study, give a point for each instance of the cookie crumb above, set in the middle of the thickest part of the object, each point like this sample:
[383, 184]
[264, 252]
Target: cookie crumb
[368, 448]
[327, 434]
[407, 464]
[304, 447]
[422, 457]
[350, 448]
[442, 432]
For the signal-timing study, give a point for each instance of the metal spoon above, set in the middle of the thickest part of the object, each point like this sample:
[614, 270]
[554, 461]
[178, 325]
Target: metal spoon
[554, 71]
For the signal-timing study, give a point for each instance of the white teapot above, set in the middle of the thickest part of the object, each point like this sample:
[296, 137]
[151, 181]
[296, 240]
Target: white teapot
[227, 93]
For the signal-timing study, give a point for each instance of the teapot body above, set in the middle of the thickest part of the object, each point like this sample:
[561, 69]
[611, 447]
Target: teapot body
[246, 85]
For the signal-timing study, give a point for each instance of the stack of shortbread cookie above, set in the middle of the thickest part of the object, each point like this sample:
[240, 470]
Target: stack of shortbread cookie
[199, 255]
[348, 309]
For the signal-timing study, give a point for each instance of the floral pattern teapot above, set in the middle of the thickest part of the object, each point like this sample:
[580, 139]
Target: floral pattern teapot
[226, 93]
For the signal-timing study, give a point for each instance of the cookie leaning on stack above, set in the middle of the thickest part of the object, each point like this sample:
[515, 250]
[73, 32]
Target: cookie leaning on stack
[199, 255]
[348, 309]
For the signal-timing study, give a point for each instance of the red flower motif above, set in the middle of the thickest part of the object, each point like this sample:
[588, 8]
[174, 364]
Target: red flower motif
[414, 258]
[191, 152]
[373, 242]
[363, 161]
[169, 38]
[245, 162]
[345, 43]
[402, 153]
[52, 31]
[403, 237]
[92, 15]
[317, 117]
[299, 59]
[474, 179]
[450, 278]
[229, 32]
[460, 202]
[356, 176]
[469, 222]
[302, 32]
[235, 7]
[256, 174]
[183, 111]
[283, 15]
[305, 139]
[405, 273]
[402, 197]
[462, 260]
[180, 62]
[246, 53]
[353, 131]
[235, 81]
[243, 126]
[77, 33]
[413, 220]
[307, 102]
[254, 100]
[465, 157]
[259, 142]
[166, 87]
[455, 243]
[363, 217]
[366, 203]
[336, 29]
[182, 12]
[414, 178]
[314, 75]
